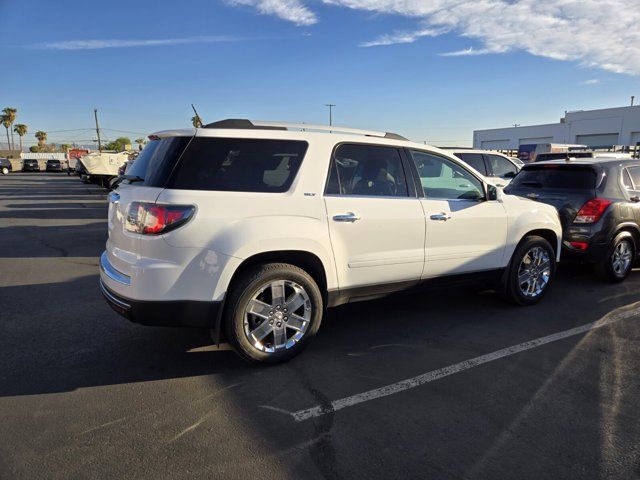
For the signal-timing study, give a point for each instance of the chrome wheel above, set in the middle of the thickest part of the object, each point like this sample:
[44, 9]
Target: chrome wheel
[277, 316]
[534, 272]
[621, 258]
[5, 171]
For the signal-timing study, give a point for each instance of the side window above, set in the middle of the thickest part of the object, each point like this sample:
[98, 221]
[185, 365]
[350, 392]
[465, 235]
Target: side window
[635, 176]
[501, 167]
[367, 170]
[442, 178]
[474, 160]
[238, 165]
[626, 179]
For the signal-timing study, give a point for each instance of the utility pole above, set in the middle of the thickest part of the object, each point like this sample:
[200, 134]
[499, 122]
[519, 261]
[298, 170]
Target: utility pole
[95, 114]
[633, 97]
[330, 105]
[516, 125]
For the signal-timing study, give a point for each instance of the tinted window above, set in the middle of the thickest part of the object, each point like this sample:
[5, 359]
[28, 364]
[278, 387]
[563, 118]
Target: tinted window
[157, 159]
[238, 165]
[475, 160]
[500, 166]
[554, 177]
[626, 180]
[635, 176]
[367, 170]
[442, 178]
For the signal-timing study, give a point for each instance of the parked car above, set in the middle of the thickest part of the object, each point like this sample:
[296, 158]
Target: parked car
[5, 166]
[54, 165]
[253, 230]
[498, 168]
[598, 200]
[30, 165]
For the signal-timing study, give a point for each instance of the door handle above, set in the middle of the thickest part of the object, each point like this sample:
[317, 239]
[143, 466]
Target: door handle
[346, 217]
[443, 217]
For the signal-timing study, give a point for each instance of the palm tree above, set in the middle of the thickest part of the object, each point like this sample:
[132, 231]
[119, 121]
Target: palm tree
[6, 123]
[196, 121]
[21, 130]
[42, 137]
[140, 142]
[11, 114]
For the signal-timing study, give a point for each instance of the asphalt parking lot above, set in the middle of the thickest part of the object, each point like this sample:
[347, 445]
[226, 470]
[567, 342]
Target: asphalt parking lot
[85, 394]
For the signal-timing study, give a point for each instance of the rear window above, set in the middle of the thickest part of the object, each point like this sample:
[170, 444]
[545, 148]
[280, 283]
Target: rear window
[554, 177]
[238, 165]
[157, 159]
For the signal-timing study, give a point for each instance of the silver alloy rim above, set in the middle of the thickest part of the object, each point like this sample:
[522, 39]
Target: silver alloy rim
[5, 170]
[621, 258]
[534, 272]
[277, 316]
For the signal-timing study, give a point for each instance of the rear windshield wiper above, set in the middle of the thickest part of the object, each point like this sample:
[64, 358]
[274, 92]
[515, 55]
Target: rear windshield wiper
[132, 178]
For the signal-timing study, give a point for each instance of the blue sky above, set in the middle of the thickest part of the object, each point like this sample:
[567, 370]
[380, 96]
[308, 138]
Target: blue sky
[432, 73]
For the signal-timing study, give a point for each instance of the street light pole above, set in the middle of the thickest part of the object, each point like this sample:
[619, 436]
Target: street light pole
[330, 105]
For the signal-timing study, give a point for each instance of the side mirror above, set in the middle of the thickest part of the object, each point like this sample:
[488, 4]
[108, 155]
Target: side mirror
[494, 193]
[509, 175]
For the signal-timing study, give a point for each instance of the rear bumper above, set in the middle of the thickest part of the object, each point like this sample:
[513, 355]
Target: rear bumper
[164, 314]
[594, 253]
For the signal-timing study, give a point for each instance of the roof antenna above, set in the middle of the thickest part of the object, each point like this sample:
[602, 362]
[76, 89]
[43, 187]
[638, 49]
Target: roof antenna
[197, 120]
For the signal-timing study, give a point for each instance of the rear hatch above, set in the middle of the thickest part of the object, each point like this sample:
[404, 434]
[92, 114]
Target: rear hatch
[565, 186]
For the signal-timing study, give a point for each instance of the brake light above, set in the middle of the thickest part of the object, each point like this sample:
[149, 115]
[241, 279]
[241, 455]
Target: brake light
[592, 210]
[153, 219]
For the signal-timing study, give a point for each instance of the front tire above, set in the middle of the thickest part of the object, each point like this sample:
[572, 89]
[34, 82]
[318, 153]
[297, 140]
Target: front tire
[5, 171]
[619, 260]
[531, 271]
[273, 312]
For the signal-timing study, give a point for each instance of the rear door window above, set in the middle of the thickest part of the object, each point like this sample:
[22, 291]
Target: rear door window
[367, 170]
[474, 160]
[238, 165]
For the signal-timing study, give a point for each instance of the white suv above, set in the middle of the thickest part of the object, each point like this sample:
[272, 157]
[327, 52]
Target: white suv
[254, 229]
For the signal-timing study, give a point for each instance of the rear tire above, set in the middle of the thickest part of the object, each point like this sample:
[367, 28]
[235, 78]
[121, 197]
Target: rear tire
[619, 260]
[530, 272]
[288, 311]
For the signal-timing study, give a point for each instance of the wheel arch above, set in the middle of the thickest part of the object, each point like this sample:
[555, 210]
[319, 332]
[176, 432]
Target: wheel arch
[630, 227]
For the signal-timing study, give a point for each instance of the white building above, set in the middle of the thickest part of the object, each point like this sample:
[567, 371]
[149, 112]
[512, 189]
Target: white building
[595, 128]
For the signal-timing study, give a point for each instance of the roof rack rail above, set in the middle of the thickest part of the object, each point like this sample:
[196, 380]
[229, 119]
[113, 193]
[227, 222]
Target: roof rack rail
[266, 125]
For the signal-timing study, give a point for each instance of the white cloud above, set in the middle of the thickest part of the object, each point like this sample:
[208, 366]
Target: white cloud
[403, 37]
[595, 33]
[98, 44]
[592, 81]
[290, 10]
[468, 52]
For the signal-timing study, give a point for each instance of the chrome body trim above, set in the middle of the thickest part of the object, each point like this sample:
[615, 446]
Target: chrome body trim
[111, 298]
[111, 272]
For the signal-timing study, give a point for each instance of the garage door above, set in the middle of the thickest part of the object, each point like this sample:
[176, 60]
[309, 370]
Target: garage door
[599, 140]
[534, 140]
[495, 145]
[635, 138]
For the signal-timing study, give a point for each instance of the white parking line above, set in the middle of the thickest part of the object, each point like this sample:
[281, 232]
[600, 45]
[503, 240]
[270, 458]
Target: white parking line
[428, 377]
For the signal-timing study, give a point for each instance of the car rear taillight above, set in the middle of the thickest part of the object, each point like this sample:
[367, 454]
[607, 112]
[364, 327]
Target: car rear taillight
[592, 210]
[153, 219]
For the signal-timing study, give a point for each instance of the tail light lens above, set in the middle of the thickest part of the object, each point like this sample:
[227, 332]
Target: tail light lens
[592, 210]
[153, 219]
